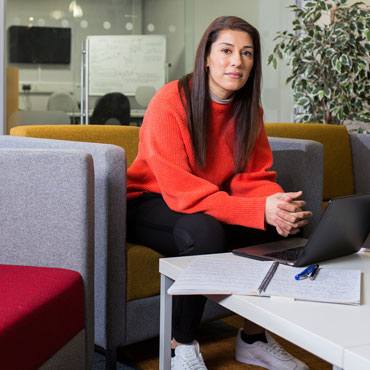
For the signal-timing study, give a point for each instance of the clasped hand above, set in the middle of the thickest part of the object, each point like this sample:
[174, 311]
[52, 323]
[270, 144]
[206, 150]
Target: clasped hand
[284, 211]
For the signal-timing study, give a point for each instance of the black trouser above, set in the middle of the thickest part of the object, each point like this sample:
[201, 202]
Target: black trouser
[150, 222]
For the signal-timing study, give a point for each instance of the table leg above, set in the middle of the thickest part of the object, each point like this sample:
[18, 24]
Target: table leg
[165, 324]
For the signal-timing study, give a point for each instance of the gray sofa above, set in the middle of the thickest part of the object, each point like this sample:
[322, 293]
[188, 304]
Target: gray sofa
[117, 322]
[47, 220]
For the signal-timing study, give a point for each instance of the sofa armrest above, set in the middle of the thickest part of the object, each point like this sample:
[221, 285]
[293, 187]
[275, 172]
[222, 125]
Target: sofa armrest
[360, 146]
[110, 231]
[299, 166]
[47, 216]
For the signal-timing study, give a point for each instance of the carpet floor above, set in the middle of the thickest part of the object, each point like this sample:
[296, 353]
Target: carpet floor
[217, 342]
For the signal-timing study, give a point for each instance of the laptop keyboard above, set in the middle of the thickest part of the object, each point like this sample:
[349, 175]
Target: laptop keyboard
[288, 254]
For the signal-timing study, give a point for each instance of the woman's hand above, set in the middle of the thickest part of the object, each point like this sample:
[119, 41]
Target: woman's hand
[284, 211]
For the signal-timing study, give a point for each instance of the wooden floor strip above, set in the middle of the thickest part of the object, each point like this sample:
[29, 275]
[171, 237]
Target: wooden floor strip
[217, 344]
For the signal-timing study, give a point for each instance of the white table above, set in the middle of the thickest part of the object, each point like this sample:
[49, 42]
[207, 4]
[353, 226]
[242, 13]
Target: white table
[339, 334]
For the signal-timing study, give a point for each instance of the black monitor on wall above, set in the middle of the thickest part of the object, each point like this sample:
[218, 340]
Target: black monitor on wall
[39, 45]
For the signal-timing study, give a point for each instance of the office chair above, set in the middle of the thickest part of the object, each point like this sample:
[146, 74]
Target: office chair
[111, 109]
[63, 101]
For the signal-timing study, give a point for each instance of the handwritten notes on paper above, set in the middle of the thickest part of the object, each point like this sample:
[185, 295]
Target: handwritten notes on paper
[332, 286]
[215, 275]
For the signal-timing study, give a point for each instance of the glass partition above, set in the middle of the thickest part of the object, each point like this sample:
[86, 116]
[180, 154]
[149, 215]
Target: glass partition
[52, 84]
[56, 85]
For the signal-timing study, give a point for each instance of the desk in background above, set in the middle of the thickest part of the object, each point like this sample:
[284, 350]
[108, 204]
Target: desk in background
[135, 114]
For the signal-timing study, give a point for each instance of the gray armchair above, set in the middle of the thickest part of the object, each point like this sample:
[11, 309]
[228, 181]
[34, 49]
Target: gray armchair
[47, 220]
[360, 145]
[299, 166]
[120, 320]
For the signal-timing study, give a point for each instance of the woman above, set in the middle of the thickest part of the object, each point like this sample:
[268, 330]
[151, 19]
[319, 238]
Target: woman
[201, 181]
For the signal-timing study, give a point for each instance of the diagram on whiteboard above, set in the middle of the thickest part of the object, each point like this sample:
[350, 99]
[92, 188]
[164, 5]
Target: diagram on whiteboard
[123, 63]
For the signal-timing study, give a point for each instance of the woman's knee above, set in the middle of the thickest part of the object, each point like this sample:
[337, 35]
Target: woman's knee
[199, 233]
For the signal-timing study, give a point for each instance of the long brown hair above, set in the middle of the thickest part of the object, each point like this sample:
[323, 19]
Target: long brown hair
[246, 103]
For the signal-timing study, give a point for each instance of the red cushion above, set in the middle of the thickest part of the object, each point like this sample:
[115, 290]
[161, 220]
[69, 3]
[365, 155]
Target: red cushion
[41, 309]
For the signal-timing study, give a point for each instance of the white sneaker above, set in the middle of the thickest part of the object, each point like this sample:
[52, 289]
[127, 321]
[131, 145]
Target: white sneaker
[188, 357]
[270, 355]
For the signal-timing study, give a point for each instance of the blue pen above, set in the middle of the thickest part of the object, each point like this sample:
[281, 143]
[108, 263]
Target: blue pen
[304, 274]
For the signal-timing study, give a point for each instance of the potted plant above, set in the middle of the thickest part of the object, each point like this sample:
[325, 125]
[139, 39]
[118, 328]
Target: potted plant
[329, 59]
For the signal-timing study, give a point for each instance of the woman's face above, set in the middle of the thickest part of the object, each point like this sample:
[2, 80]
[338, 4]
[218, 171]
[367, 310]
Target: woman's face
[230, 62]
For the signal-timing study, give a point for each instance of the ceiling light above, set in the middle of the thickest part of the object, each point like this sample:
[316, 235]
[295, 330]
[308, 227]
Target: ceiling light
[75, 9]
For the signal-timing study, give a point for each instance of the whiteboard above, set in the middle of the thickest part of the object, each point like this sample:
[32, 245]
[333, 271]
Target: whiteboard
[123, 63]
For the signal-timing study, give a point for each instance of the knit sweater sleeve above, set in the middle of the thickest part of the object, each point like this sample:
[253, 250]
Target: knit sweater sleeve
[165, 144]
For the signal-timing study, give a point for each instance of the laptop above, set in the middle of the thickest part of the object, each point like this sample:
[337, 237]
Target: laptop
[341, 231]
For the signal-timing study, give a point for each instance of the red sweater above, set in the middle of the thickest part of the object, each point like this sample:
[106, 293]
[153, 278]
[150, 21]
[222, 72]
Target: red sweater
[165, 164]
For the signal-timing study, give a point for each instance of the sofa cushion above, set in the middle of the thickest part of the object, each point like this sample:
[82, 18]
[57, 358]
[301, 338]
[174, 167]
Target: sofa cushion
[142, 282]
[41, 310]
[338, 171]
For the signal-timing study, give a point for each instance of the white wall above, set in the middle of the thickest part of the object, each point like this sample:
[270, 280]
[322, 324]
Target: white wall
[268, 17]
[167, 17]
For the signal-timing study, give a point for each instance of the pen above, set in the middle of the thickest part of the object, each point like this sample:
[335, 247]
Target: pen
[268, 277]
[314, 272]
[304, 274]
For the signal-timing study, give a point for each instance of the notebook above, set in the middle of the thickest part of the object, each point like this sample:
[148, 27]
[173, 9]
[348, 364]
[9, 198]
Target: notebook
[341, 231]
[225, 274]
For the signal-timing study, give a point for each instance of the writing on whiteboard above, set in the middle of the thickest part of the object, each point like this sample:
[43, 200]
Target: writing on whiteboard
[123, 63]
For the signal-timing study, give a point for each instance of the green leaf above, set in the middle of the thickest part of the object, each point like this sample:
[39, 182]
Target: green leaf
[310, 46]
[353, 26]
[330, 52]
[344, 60]
[298, 96]
[323, 5]
[302, 102]
[341, 114]
[367, 34]
[321, 95]
[327, 92]
[362, 49]
[338, 66]
[316, 18]
[290, 78]
[274, 63]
